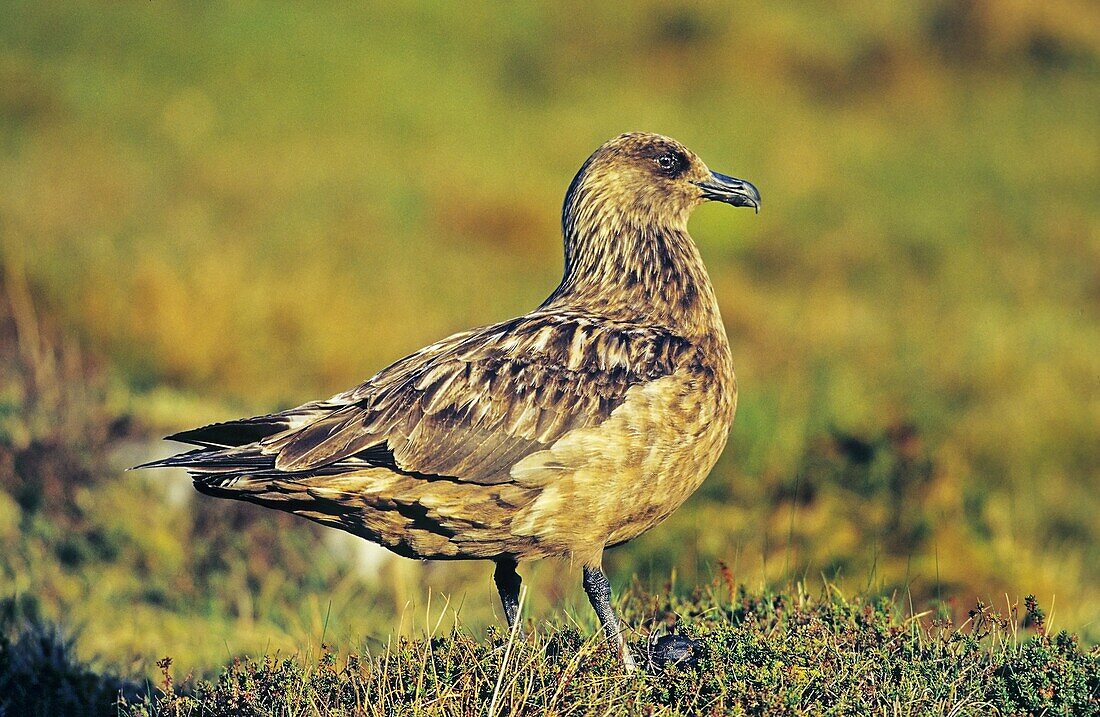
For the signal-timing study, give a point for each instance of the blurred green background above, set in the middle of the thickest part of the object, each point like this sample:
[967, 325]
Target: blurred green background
[209, 210]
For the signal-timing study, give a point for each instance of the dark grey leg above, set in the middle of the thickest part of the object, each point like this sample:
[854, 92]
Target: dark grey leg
[598, 588]
[508, 582]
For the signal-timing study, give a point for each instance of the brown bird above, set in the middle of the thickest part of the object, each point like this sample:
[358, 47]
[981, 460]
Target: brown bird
[561, 433]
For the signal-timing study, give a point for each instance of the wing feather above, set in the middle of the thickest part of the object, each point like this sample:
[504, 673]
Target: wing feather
[470, 407]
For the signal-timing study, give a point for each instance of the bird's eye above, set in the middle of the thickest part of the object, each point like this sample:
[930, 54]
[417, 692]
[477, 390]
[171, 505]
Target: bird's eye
[667, 162]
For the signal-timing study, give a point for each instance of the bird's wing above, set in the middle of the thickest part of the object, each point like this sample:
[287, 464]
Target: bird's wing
[246, 431]
[471, 406]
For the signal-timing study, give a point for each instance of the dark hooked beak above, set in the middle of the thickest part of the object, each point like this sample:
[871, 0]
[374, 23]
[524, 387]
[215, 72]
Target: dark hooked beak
[730, 190]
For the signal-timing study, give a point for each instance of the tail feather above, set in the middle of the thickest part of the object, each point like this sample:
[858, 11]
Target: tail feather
[232, 433]
[251, 461]
[216, 459]
[247, 431]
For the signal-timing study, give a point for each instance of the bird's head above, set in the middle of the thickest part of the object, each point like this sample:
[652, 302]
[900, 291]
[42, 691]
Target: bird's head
[648, 179]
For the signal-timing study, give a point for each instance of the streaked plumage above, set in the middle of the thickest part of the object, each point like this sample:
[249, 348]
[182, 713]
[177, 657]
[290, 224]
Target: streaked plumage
[562, 432]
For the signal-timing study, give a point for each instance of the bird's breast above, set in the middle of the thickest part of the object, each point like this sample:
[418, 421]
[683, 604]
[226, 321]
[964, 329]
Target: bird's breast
[608, 483]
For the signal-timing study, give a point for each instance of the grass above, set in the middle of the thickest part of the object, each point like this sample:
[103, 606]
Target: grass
[756, 654]
[211, 211]
[773, 653]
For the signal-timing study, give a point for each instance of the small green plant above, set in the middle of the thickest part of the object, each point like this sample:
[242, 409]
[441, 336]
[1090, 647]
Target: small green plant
[770, 653]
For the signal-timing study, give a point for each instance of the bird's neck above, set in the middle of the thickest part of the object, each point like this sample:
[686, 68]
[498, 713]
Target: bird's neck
[637, 269]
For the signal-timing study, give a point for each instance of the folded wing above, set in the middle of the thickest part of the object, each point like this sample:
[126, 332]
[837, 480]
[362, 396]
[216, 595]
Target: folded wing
[467, 408]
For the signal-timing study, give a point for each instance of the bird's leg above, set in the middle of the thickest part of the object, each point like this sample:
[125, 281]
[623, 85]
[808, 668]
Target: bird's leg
[508, 582]
[598, 588]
